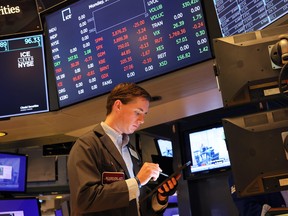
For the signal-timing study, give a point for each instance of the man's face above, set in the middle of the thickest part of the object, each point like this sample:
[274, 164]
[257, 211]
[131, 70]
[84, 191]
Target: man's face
[131, 115]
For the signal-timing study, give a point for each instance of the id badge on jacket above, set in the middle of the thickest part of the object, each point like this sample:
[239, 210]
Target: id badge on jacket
[110, 177]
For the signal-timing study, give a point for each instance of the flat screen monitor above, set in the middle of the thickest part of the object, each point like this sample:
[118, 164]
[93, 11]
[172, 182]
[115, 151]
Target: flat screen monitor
[96, 45]
[13, 172]
[235, 17]
[58, 212]
[164, 147]
[171, 211]
[64, 210]
[173, 199]
[258, 149]
[19, 17]
[206, 148]
[20, 207]
[247, 66]
[23, 76]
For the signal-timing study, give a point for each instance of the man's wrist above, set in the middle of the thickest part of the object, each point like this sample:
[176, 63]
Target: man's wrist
[138, 182]
[162, 200]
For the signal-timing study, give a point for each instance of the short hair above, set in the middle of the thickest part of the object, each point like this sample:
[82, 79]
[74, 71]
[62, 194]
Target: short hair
[125, 92]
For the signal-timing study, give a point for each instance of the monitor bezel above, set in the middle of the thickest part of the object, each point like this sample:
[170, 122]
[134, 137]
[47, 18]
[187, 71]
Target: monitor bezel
[24, 173]
[186, 152]
[62, 5]
[15, 199]
[157, 144]
[44, 71]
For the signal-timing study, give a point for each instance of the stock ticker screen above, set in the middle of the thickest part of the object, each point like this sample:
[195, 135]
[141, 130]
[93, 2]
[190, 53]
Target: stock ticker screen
[98, 44]
[241, 16]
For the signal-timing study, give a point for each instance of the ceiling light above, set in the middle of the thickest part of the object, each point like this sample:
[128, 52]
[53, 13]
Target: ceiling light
[2, 133]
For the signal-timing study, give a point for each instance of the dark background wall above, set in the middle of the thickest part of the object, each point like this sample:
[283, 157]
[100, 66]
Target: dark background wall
[210, 194]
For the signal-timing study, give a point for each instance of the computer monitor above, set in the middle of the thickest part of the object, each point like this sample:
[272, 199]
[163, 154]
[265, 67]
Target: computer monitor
[58, 212]
[20, 207]
[13, 173]
[248, 65]
[164, 147]
[207, 150]
[171, 211]
[258, 150]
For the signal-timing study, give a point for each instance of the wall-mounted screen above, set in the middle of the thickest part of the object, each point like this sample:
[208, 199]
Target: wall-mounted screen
[171, 211]
[98, 44]
[20, 207]
[258, 148]
[237, 17]
[13, 173]
[19, 16]
[207, 149]
[58, 212]
[23, 76]
[164, 147]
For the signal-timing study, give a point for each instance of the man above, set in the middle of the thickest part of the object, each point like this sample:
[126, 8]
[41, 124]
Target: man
[104, 169]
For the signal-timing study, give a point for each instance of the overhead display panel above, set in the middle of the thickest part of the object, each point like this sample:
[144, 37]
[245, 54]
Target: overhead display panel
[19, 17]
[23, 76]
[98, 44]
[241, 16]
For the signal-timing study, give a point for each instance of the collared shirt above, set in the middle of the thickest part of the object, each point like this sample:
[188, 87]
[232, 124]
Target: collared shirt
[121, 142]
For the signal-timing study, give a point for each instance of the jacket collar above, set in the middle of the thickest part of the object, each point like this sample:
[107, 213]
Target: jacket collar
[107, 142]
